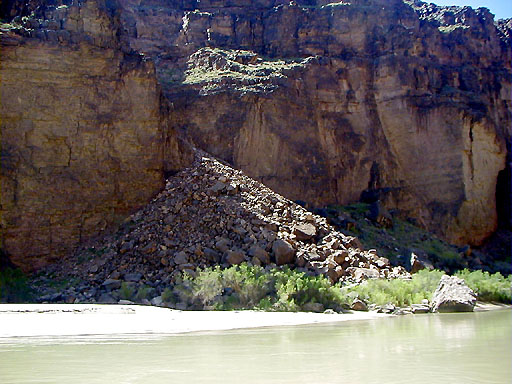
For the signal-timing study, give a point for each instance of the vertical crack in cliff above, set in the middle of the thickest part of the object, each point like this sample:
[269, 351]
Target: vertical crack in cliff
[470, 154]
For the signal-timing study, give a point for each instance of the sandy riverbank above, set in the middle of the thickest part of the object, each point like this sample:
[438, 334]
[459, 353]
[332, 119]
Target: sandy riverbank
[19, 320]
[95, 319]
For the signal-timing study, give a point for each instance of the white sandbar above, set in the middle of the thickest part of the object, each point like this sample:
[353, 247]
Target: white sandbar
[96, 319]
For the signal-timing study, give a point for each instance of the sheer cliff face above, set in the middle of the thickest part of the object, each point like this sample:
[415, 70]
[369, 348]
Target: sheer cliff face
[320, 101]
[83, 136]
[324, 93]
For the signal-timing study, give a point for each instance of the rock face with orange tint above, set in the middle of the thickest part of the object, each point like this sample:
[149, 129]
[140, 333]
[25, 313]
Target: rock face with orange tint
[400, 101]
[84, 136]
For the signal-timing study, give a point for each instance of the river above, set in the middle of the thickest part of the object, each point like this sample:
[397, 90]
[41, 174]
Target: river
[435, 348]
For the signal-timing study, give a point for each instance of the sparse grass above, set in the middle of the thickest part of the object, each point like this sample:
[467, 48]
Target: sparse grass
[397, 242]
[399, 292]
[126, 292]
[143, 293]
[452, 28]
[168, 296]
[252, 287]
[213, 68]
[14, 287]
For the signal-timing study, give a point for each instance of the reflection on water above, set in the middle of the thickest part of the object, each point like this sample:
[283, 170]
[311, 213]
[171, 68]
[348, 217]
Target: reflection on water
[447, 348]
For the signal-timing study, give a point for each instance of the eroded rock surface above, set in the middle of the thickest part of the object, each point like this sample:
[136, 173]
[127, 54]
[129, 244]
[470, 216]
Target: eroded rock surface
[322, 101]
[84, 134]
[453, 295]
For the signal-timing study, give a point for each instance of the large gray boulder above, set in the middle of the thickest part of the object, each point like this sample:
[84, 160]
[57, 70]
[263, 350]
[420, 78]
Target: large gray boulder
[453, 295]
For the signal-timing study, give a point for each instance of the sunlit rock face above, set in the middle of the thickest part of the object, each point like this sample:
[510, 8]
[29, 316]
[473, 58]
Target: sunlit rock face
[319, 100]
[329, 99]
[84, 135]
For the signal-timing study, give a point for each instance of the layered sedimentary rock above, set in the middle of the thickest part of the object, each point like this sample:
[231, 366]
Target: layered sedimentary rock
[400, 101]
[84, 135]
[406, 99]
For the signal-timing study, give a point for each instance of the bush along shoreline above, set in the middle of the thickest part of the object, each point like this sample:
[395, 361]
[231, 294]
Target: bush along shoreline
[250, 287]
[253, 287]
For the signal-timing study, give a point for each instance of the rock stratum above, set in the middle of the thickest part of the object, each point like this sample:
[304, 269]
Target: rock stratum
[85, 135]
[325, 102]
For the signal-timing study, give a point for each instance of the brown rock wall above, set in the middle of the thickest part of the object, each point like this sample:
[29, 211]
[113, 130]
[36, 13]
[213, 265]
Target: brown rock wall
[328, 99]
[438, 148]
[84, 136]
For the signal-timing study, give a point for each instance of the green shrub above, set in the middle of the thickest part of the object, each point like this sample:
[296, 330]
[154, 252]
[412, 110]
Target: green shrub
[296, 289]
[143, 293]
[252, 287]
[126, 292]
[14, 287]
[251, 284]
[488, 287]
[398, 292]
[168, 296]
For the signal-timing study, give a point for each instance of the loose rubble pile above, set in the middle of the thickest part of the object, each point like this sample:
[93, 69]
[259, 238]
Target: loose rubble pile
[211, 214]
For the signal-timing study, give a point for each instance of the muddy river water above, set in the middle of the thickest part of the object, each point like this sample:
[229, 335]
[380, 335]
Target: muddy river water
[436, 348]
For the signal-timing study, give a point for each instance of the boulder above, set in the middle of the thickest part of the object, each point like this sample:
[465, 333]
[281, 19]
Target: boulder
[418, 263]
[260, 254]
[341, 256]
[222, 244]
[111, 284]
[106, 298]
[283, 252]
[358, 305]
[157, 300]
[304, 231]
[386, 308]
[181, 257]
[420, 308]
[360, 274]
[218, 188]
[133, 277]
[453, 295]
[234, 257]
[211, 255]
[313, 307]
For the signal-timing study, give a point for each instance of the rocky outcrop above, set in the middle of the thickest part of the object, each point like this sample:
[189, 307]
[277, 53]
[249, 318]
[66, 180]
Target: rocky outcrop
[328, 100]
[453, 295]
[84, 133]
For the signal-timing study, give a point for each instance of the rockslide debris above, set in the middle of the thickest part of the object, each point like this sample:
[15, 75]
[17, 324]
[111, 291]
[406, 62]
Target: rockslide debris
[211, 214]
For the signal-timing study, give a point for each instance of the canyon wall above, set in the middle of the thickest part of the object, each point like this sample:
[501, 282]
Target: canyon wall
[84, 134]
[324, 102]
[327, 100]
